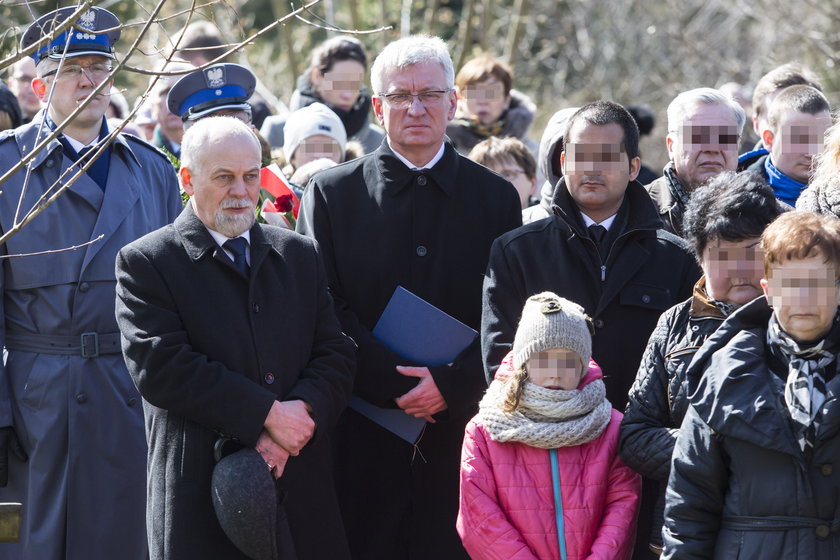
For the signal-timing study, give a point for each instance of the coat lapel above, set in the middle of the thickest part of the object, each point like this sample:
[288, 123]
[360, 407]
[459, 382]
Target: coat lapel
[118, 200]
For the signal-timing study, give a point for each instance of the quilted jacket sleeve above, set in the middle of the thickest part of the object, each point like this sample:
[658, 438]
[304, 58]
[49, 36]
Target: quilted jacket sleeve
[483, 526]
[617, 531]
[647, 438]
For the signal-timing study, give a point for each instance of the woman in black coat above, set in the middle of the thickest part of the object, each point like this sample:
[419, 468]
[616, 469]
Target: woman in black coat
[723, 223]
[753, 473]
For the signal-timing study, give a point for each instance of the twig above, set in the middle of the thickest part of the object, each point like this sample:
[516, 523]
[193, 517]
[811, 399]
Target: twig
[51, 251]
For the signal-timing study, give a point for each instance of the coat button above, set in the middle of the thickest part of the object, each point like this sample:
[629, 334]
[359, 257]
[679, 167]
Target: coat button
[256, 308]
[823, 531]
[131, 401]
[81, 398]
[421, 180]
[49, 163]
[826, 470]
[83, 287]
[645, 298]
[421, 251]
[269, 378]
[599, 323]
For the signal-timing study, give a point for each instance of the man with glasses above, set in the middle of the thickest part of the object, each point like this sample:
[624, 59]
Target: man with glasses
[72, 441]
[704, 131]
[415, 214]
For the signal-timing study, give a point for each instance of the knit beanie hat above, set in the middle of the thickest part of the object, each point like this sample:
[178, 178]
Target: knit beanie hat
[549, 321]
[310, 121]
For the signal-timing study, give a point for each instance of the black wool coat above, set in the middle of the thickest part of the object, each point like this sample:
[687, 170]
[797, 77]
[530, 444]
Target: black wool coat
[210, 350]
[381, 225]
[647, 270]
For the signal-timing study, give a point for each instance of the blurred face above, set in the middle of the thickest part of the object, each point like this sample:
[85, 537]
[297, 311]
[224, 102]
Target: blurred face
[510, 170]
[804, 294]
[20, 82]
[317, 147]
[733, 270]
[225, 184]
[341, 85]
[485, 100]
[596, 168]
[797, 139]
[415, 128]
[705, 144]
[78, 77]
[171, 124]
[556, 368]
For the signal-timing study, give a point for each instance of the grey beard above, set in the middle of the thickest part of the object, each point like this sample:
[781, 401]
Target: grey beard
[232, 225]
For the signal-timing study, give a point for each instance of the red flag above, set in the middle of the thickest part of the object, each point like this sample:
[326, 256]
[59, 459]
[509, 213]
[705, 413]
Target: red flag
[273, 180]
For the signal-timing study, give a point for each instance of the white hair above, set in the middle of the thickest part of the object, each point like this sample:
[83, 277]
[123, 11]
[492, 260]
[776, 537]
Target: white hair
[415, 49]
[687, 100]
[197, 138]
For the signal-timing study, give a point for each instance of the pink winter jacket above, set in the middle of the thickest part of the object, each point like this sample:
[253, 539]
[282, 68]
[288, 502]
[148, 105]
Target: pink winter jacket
[507, 498]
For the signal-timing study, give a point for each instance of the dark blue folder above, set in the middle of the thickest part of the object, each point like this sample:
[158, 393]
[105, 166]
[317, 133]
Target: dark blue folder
[422, 334]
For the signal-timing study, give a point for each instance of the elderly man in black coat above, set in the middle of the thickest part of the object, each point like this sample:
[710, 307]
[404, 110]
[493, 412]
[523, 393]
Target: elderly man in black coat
[229, 330]
[415, 214]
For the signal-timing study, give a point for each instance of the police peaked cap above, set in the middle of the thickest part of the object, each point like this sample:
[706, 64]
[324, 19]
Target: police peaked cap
[94, 32]
[217, 87]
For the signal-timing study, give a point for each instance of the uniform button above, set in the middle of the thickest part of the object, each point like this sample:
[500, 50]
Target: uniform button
[823, 531]
[421, 251]
[645, 298]
[131, 401]
[421, 180]
[256, 308]
[49, 163]
[269, 378]
[83, 287]
[81, 398]
[599, 323]
[826, 470]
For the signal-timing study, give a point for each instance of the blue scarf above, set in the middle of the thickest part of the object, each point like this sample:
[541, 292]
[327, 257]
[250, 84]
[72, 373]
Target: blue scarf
[753, 154]
[786, 189]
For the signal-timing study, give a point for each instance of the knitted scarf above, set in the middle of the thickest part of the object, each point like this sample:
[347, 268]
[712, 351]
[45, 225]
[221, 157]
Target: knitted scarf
[480, 129]
[805, 390]
[787, 190]
[546, 418]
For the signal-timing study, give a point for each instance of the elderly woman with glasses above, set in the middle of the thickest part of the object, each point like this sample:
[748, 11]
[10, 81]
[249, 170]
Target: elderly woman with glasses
[753, 467]
[723, 223]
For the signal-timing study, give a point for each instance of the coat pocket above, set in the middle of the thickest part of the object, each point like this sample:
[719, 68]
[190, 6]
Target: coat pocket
[646, 296]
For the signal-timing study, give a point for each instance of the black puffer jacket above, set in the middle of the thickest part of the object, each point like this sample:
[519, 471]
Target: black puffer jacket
[740, 486]
[659, 396]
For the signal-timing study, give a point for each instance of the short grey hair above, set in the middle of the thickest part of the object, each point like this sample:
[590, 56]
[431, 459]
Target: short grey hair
[706, 96]
[415, 49]
[196, 139]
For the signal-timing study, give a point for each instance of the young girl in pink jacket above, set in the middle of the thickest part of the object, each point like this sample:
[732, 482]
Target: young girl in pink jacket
[540, 473]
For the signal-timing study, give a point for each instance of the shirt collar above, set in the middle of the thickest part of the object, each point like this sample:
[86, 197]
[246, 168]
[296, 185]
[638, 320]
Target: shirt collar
[410, 165]
[587, 221]
[221, 239]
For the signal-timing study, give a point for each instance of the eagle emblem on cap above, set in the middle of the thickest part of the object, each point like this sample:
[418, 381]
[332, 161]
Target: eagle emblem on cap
[215, 77]
[88, 20]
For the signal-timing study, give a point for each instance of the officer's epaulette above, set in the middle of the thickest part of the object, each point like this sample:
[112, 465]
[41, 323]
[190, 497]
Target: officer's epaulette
[6, 134]
[139, 141]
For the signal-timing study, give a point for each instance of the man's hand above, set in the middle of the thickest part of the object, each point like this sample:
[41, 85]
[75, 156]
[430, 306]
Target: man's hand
[9, 443]
[290, 426]
[275, 457]
[425, 399]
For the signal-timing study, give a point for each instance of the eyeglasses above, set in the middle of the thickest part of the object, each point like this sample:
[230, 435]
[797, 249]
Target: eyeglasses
[95, 71]
[405, 100]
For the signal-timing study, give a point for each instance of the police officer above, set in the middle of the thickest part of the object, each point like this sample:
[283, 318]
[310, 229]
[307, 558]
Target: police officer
[72, 442]
[218, 90]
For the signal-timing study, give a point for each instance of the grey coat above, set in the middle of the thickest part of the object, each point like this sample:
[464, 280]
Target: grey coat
[79, 419]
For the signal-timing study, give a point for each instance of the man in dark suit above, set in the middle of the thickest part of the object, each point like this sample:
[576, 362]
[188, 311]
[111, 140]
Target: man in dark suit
[416, 214]
[228, 330]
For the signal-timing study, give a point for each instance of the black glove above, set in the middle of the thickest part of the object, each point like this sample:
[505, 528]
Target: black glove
[9, 442]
